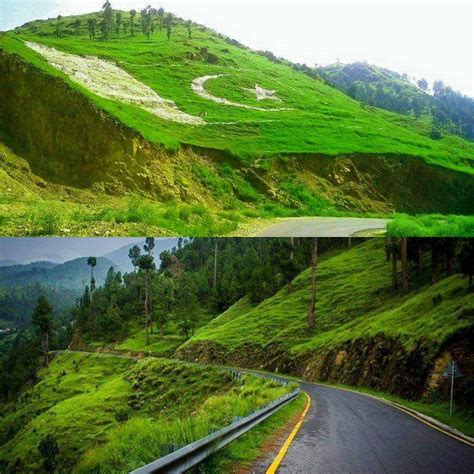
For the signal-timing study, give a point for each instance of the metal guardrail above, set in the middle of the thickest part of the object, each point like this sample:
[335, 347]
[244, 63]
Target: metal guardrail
[194, 453]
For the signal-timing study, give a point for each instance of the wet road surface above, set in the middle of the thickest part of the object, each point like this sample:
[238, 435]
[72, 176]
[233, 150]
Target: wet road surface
[345, 432]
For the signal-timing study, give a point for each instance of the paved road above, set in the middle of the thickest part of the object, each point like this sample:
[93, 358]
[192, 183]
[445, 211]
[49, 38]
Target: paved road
[322, 227]
[345, 432]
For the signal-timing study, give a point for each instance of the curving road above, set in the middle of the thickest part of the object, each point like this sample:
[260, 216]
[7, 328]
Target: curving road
[345, 432]
[322, 227]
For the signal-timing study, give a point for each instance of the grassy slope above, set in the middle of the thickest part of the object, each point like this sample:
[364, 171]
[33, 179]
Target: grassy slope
[94, 404]
[323, 120]
[431, 225]
[354, 300]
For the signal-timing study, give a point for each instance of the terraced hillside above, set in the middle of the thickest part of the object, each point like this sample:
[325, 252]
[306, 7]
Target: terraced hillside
[366, 333]
[200, 118]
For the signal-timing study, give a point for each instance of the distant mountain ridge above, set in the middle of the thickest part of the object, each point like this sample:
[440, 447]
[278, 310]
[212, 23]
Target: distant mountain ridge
[70, 275]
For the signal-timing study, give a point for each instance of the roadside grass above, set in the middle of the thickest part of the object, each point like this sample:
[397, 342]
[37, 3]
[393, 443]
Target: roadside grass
[155, 438]
[431, 225]
[133, 216]
[241, 454]
[462, 420]
[354, 300]
[94, 404]
[138, 216]
[320, 120]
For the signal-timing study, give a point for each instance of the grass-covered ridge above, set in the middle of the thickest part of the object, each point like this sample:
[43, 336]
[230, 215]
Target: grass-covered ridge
[354, 300]
[320, 119]
[94, 404]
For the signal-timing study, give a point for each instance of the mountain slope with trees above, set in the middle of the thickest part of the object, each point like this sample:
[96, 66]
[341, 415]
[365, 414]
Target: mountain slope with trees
[305, 149]
[444, 108]
[71, 275]
[374, 316]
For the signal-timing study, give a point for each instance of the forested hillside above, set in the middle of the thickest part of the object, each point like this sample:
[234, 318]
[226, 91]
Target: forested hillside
[444, 108]
[371, 321]
[16, 304]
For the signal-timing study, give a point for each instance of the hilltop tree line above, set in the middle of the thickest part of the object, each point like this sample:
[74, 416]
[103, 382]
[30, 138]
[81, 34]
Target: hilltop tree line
[422, 258]
[113, 23]
[198, 278]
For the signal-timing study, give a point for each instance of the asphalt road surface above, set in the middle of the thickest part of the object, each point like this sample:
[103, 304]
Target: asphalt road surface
[322, 227]
[345, 432]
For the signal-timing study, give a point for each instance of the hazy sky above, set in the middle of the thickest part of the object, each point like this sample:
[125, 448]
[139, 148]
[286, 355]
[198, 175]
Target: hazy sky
[26, 250]
[424, 38]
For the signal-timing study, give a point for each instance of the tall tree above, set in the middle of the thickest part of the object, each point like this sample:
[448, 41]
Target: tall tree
[435, 251]
[314, 264]
[91, 26]
[188, 26]
[134, 255]
[405, 264]
[214, 281]
[147, 265]
[449, 250]
[467, 261]
[92, 262]
[118, 22]
[161, 15]
[394, 256]
[133, 14]
[423, 84]
[125, 26]
[107, 23]
[147, 19]
[77, 28]
[58, 31]
[168, 21]
[43, 321]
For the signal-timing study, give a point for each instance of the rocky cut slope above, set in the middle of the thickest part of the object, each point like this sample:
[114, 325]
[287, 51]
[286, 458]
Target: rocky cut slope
[366, 333]
[299, 145]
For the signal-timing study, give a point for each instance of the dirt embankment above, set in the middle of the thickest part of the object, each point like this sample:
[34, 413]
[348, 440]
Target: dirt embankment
[381, 363]
[68, 140]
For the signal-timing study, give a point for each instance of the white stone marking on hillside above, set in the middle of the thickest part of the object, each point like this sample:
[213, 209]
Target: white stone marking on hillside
[198, 87]
[111, 82]
[264, 94]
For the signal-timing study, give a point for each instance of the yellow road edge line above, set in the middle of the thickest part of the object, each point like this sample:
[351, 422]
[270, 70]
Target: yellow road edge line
[404, 410]
[281, 454]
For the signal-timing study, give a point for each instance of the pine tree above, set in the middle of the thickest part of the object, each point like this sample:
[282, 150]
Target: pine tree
[42, 319]
[314, 264]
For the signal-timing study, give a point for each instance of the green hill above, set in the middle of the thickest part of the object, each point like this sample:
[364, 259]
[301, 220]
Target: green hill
[207, 120]
[366, 333]
[94, 404]
[445, 109]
